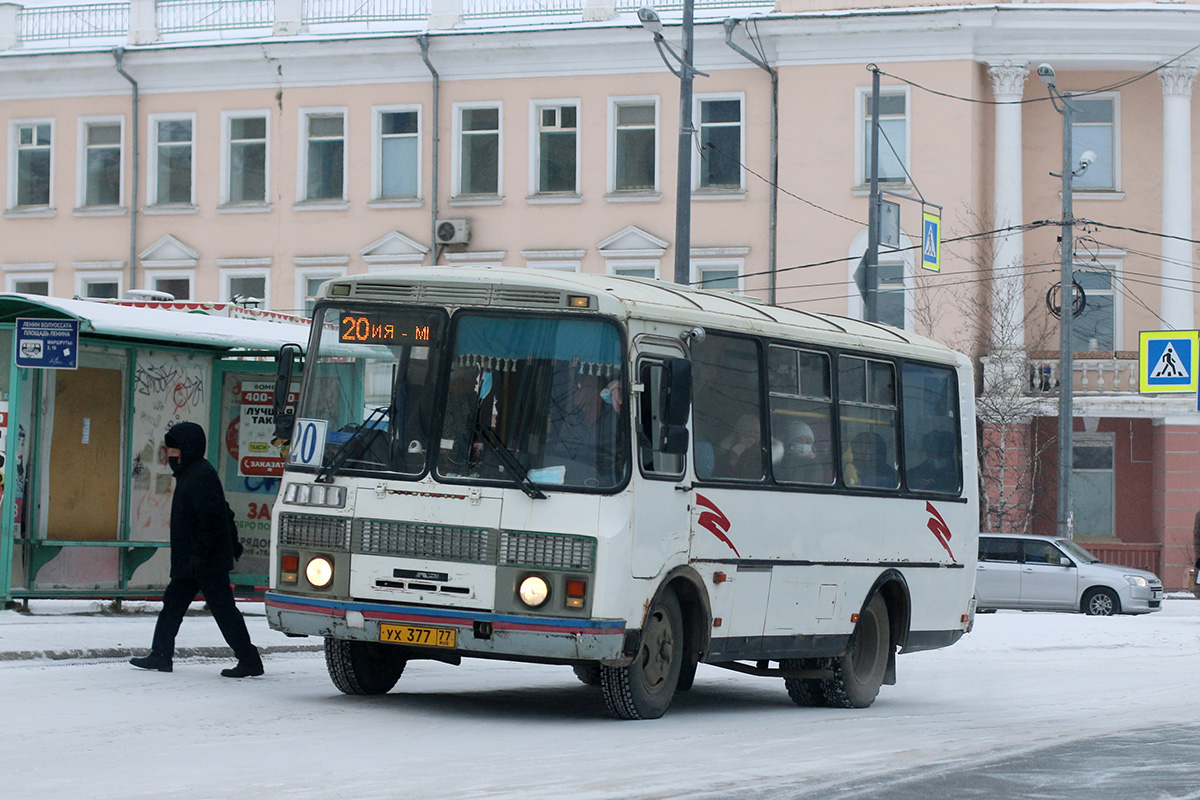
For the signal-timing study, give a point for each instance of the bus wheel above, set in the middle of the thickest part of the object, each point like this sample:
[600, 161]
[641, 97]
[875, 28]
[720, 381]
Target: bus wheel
[363, 667]
[644, 689]
[859, 672]
[588, 674]
[803, 691]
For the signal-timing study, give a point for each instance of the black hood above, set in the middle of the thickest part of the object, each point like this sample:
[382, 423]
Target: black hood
[189, 438]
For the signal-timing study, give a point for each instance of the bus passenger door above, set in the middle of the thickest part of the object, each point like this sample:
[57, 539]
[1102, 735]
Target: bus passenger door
[660, 497]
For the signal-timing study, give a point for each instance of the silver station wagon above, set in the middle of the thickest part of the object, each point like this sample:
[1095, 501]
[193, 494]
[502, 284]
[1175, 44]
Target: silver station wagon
[1039, 573]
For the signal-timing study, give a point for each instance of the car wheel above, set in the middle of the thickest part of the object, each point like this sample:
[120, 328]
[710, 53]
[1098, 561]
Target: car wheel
[1101, 603]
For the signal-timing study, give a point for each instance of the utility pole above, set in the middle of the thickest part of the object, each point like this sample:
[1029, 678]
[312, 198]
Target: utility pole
[683, 177]
[874, 214]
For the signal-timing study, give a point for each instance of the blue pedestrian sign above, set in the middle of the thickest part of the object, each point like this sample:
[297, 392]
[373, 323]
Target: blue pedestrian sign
[931, 247]
[48, 343]
[1168, 361]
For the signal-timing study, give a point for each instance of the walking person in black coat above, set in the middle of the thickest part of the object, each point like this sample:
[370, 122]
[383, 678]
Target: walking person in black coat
[203, 548]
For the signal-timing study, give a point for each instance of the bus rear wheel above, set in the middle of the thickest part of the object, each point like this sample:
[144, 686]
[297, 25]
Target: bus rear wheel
[645, 688]
[858, 673]
[363, 667]
[803, 691]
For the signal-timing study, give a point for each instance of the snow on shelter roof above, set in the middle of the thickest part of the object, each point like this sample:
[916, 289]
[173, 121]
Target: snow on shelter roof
[163, 327]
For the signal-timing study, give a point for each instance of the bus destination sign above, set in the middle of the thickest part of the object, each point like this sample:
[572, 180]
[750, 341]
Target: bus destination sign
[372, 328]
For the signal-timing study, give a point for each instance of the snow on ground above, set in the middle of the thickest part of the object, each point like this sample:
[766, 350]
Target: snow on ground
[98, 728]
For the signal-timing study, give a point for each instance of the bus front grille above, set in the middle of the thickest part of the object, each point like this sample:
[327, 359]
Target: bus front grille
[547, 550]
[314, 532]
[421, 540]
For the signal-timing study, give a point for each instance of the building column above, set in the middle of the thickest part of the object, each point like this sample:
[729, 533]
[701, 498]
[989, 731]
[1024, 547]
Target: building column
[1178, 308]
[1008, 287]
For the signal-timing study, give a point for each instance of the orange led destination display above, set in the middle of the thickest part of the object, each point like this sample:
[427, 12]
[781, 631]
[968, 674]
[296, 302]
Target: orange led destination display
[382, 328]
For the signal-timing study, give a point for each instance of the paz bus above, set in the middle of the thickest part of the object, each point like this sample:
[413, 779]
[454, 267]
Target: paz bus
[623, 476]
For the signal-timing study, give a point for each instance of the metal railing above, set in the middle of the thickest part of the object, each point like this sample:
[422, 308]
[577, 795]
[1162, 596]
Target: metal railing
[73, 22]
[190, 16]
[334, 11]
[1134, 556]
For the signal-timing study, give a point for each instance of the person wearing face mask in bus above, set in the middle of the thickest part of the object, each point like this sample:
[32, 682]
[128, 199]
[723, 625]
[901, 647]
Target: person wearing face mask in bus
[800, 461]
[938, 472]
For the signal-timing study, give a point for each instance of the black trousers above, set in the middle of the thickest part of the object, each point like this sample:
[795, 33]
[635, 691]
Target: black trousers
[180, 593]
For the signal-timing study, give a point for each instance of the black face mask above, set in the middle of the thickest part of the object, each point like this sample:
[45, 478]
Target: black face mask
[174, 464]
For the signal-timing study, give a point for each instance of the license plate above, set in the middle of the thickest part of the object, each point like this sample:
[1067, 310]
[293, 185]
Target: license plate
[417, 635]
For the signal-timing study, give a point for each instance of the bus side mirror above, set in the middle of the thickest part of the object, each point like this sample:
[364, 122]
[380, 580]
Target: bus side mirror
[676, 398]
[284, 361]
[674, 440]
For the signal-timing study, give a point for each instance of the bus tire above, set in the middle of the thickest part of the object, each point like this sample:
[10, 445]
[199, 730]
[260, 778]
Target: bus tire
[363, 667]
[803, 691]
[859, 672]
[588, 674]
[645, 688]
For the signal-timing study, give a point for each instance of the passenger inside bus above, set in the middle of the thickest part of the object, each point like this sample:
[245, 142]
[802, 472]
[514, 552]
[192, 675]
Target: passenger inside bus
[869, 464]
[801, 461]
[739, 454]
[583, 425]
[938, 472]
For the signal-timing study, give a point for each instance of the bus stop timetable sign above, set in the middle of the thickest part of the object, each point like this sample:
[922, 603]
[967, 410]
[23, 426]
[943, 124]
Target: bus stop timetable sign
[48, 343]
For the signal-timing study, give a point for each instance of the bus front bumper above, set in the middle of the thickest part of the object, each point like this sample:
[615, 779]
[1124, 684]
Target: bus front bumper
[427, 630]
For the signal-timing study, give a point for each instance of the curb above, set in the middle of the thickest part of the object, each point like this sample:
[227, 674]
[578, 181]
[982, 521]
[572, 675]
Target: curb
[129, 652]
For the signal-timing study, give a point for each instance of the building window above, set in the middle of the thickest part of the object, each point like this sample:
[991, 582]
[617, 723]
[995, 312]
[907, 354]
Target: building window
[33, 156]
[245, 179]
[478, 138]
[891, 303]
[894, 305]
[398, 153]
[38, 284]
[176, 284]
[1093, 127]
[893, 129]
[720, 161]
[717, 275]
[307, 284]
[1095, 328]
[171, 177]
[634, 161]
[557, 148]
[244, 287]
[102, 164]
[98, 287]
[1092, 483]
[634, 268]
[324, 167]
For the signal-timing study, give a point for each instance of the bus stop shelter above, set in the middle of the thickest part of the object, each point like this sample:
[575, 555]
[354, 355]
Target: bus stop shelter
[87, 491]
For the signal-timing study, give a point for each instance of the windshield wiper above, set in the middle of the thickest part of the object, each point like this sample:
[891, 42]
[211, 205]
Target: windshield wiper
[328, 470]
[520, 475]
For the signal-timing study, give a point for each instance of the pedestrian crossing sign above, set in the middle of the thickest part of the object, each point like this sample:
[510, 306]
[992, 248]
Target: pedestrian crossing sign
[1168, 361]
[931, 248]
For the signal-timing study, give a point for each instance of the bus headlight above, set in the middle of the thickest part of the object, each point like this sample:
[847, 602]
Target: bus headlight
[319, 572]
[534, 591]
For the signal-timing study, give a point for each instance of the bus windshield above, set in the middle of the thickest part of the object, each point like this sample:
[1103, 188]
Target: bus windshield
[371, 380]
[539, 395]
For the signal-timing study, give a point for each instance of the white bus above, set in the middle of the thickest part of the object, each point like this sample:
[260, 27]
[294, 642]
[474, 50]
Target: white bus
[623, 476]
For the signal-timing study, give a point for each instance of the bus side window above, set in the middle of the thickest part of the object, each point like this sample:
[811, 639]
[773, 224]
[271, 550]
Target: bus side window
[662, 435]
[867, 416]
[932, 446]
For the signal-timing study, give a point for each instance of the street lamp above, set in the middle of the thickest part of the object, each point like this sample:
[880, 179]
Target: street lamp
[1066, 314]
[683, 180]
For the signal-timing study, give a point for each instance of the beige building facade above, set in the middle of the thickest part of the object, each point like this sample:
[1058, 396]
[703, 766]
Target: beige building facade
[278, 144]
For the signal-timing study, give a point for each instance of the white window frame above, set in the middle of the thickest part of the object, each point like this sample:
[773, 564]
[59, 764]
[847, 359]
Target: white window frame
[456, 154]
[304, 275]
[303, 200]
[855, 308]
[611, 150]
[701, 265]
[84, 277]
[229, 274]
[535, 147]
[14, 154]
[11, 279]
[618, 266]
[227, 120]
[153, 121]
[1115, 97]
[1112, 262]
[377, 113]
[150, 276]
[81, 185]
[862, 95]
[698, 116]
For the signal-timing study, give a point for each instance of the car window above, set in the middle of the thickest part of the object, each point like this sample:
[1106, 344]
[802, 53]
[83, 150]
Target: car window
[1041, 553]
[998, 549]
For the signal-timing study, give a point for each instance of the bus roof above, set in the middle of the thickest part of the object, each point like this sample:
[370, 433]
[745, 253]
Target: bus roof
[626, 297]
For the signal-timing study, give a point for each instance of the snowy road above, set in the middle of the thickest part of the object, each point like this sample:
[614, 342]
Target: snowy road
[1068, 705]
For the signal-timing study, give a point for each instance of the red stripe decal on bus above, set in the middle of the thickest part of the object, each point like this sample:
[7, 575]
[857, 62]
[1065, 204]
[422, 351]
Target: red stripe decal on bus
[715, 522]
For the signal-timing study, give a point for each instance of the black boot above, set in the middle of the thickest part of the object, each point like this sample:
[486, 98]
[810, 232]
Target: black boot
[248, 667]
[154, 661]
